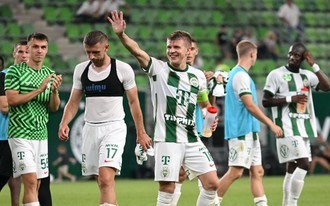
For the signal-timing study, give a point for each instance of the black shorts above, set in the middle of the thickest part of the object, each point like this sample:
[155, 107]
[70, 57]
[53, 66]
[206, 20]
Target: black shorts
[6, 161]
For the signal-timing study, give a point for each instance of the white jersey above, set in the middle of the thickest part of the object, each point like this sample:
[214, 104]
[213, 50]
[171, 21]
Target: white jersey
[174, 99]
[282, 83]
[105, 107]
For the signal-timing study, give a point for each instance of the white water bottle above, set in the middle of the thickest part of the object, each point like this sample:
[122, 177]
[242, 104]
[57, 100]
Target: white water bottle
[209, 120]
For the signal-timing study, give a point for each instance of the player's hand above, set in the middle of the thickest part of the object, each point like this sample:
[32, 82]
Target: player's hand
[208, 75]
[214, 125]
[278, 132]
[299, 98]
[57, 81]
[141, 154]
[144, 140]
[117, 21]
[46, 83]
[63, 132]
[309, 58]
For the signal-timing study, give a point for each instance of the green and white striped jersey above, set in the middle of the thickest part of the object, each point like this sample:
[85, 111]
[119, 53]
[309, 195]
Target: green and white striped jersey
[282, 83]
[29, 120]
[174, 98]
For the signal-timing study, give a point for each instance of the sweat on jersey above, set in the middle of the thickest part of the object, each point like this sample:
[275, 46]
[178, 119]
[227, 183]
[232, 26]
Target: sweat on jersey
[29, 120]
[282, 83]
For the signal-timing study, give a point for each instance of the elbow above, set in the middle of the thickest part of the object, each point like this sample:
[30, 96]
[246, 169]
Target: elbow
[12, 102]
[265, 103]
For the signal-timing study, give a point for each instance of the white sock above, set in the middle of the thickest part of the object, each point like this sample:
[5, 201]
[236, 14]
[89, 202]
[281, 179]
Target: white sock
[31, 204]
[107, 204]
[297, 184]
[206, 197]
[286, 189]
[164, 198]
[260, 201]
[176, 194]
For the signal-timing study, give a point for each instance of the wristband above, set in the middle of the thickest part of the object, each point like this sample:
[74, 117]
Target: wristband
[288, 99]
[316, 68]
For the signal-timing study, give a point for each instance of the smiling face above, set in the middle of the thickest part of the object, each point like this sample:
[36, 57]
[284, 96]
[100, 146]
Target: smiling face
[177, 52]
[296, 56]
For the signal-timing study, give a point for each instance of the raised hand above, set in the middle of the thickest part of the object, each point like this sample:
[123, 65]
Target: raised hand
[117, 21]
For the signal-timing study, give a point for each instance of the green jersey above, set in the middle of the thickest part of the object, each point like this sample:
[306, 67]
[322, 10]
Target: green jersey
[29, 120]
[174, 98]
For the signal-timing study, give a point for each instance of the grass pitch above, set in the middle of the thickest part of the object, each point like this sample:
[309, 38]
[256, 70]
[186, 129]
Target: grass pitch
[144, 192]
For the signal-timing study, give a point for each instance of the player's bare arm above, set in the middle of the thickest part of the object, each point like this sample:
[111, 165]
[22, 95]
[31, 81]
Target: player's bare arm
[118, 25]
[142, 137]
[70, 111]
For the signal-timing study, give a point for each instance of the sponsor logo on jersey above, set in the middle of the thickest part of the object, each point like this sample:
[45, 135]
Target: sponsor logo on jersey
[299, 116]
[179, 120]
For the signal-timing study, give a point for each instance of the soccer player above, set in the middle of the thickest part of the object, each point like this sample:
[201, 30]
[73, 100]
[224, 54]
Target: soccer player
[176, 88]
[32, 92]
[104, 81]
[242, 126]
[20, 54]
[294, 112]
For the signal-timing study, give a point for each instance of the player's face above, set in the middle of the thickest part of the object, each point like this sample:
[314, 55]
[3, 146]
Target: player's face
[177, 52]
[97, 53]
[295, 56]
[192, 54]
[21, 54]
[37, 49]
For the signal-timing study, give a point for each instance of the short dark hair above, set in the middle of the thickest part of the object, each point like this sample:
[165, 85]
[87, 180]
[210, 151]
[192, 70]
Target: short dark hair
[299, 45]
[95, 37]
[20, 43]
[2, 61]
[38, 36]
[179, 34]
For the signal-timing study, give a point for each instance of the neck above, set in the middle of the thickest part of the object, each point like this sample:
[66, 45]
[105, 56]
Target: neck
[104, 65]
[35, 65]
[245, 65]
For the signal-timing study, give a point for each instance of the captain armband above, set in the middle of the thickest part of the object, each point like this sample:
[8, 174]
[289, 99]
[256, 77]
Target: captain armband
[203, 96]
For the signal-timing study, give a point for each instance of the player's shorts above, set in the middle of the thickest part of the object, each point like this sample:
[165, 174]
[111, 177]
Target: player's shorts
[292, 148]
[102, 146]
[169, 157]
[6, 161]
[29, 156]
[244, 151]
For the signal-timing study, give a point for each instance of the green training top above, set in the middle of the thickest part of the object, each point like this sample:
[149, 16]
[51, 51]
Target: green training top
[29, 120]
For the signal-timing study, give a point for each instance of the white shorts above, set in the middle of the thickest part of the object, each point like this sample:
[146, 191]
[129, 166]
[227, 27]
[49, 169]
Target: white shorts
[102, 146]
[292, 148]
[170, 156]
[29, 156]
[244, 151]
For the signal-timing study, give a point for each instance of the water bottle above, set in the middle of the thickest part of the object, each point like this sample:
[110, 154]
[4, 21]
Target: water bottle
[210, 116]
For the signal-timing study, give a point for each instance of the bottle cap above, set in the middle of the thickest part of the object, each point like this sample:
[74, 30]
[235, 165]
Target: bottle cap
[304, 89]
[212, 109]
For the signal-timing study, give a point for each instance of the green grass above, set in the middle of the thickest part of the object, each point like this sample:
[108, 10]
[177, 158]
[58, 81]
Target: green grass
[144, 192]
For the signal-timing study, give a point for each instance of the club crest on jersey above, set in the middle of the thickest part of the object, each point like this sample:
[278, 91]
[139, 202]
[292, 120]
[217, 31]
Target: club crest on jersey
[287, 77]
[194, 82]
[306, 83]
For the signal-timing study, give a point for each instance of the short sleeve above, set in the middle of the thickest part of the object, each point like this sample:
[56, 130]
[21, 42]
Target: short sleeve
[241, 84]
[271, 83]
[12, 79]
